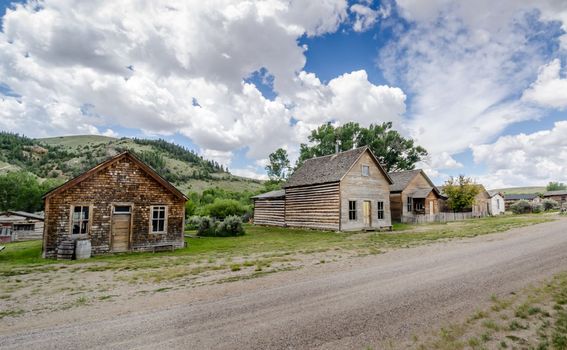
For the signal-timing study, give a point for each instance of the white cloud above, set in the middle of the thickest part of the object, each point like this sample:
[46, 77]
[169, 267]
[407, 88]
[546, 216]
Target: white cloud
[549, 89]
[365, 17]
[464, 64]
[525, 159]
[179, 66]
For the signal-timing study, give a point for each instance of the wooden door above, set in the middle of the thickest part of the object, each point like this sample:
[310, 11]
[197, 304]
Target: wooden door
[366, 211]
[431, 208]
[120, 232]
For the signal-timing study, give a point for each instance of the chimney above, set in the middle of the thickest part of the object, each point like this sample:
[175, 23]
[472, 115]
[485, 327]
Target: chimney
[337, 146]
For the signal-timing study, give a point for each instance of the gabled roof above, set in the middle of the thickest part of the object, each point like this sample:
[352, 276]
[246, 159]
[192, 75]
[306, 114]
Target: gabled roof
[421, 193]
[271, 194]
[98, 168]
[23, 214]
[403, 178]
[494, 193]
[331, 168]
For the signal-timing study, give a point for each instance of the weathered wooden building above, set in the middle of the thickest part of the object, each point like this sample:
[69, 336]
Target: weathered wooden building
[482, 203]
[20, 226]
[558, 196]
[413, 194]
[511, 199]
[340, 192]
[269, 208]
[119, 205]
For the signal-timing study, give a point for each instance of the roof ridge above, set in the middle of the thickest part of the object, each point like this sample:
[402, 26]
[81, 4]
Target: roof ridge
[336, 154]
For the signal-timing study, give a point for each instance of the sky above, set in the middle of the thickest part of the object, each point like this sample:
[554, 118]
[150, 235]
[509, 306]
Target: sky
[482, 85]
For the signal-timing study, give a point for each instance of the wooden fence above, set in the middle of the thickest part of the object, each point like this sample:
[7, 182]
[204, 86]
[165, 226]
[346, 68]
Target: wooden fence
[441, 217]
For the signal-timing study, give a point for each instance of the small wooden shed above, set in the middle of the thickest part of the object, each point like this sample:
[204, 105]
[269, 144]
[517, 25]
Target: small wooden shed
[269, 208]
[120, 205]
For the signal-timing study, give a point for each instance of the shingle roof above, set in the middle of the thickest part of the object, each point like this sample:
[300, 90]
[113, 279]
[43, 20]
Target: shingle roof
[327, 169]
[421, 193]
[23, 214]
[555, 193]
[517, 197]
[402, 179]
[271, 194]
[493, 193]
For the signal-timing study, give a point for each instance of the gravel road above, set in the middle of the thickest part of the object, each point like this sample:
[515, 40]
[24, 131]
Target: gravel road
[370, 301]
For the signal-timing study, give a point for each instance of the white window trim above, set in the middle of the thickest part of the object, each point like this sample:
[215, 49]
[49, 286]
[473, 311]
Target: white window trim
[164, 222]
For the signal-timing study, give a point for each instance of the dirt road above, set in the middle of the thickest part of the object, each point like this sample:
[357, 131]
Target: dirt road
[364, 302]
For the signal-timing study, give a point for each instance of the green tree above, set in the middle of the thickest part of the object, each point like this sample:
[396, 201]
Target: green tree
[461, 192]
[22, 191]
[279, 166]
[556, 186]
[393, 151]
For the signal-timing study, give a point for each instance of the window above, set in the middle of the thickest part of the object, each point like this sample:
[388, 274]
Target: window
[24, 227]
[497, 203]
[80, 219]
[352, 210]
[365, 170]
[410, 204]
[380, 207]
[122, 209]
[158, 219]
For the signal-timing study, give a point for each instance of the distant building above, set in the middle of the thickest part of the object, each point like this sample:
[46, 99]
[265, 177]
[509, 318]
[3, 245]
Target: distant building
[340, 192]
[119, 205]
[510, 199]
[412, 194]
[558, 196]
[497, 205]
[20, 226]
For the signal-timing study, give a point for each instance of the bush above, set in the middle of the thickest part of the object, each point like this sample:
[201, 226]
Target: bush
[550, 204]
[221, 208]
[537, 208]
[521, 207]
[193, 223]
[231, 226]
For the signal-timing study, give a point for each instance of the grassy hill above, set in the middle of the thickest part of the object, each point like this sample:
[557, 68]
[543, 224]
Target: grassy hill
[68, 156]
[522, 190]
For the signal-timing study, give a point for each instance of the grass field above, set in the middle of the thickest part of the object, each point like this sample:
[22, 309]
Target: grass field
[275, 241]
[522, 190]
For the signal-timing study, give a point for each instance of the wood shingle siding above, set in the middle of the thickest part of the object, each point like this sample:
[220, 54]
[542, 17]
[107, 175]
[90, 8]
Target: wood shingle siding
[121, 181]
[315, 206]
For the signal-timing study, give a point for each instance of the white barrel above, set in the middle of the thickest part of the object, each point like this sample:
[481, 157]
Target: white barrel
[83, 249]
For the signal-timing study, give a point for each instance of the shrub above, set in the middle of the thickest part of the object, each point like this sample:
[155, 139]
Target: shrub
[231, 226]
[549, 204]
[206, 227]
[537, 208]
[521, 207]
[193, 223]
[221, 208]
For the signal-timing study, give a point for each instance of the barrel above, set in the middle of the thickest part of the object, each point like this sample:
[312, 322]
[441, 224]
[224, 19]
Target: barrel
[82, 249]
[65, 250]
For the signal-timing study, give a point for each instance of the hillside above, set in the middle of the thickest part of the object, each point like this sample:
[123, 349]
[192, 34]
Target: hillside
[522, 190]
[68, 156]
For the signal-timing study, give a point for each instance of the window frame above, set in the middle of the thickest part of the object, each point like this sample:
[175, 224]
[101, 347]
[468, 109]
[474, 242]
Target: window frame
[352, 211]
[365, 166]
[409, 204]
[151, 219]
[89, 220]
[380, 210]
[23, 227]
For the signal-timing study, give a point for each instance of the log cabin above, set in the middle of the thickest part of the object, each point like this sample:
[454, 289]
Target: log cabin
[558, 196]
[413, 194]
[345, 191]
[119, 205]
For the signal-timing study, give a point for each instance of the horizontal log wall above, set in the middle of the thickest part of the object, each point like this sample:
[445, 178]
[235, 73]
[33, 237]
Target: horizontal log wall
[316, 206]
[269, 211]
